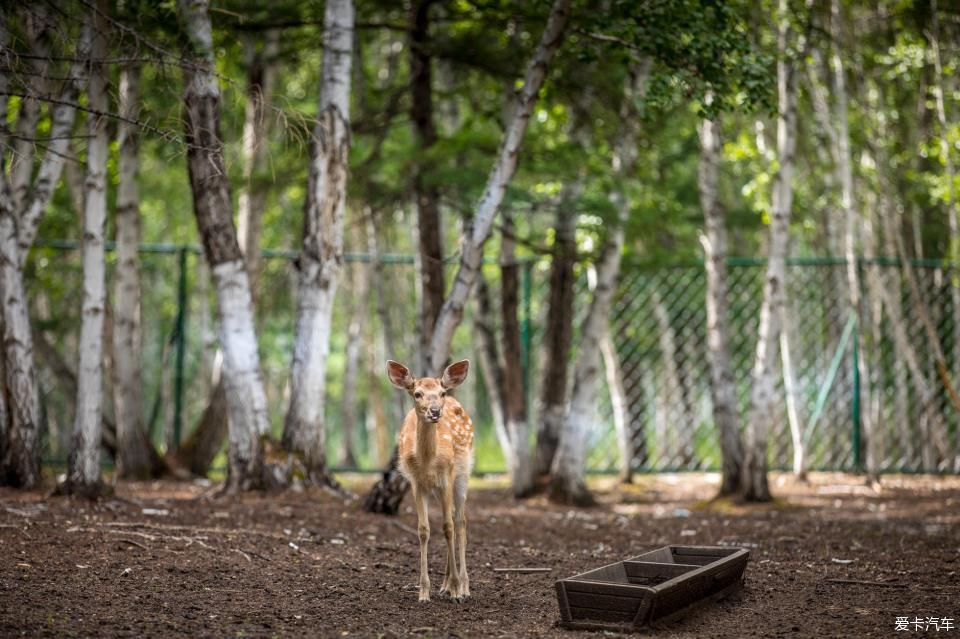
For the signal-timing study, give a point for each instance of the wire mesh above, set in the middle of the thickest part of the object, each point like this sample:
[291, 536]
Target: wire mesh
[658, 327]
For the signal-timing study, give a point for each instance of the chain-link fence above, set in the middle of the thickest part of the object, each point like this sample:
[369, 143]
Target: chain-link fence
[658, 326]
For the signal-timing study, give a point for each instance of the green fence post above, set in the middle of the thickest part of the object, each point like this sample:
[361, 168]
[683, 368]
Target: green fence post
[181, 344]
[855, 409]
[525, 327]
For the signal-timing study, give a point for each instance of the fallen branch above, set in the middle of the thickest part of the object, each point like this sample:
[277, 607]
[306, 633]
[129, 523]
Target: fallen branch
[133, 543]
[402, 526]
[522, 571]
[884, 584]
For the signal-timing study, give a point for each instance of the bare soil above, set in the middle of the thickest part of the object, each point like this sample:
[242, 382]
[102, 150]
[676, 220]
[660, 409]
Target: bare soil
[169, 559]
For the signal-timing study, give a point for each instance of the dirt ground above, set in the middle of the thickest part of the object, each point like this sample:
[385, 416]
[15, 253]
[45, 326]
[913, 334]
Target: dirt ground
[167, 559]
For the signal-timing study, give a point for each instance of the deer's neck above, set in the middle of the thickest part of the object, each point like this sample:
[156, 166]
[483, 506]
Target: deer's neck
[426, 439]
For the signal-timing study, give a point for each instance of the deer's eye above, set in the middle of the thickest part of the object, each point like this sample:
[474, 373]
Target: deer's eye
[418, 395]
[443, 393]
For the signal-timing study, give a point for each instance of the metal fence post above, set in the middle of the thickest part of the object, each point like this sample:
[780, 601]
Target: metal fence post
[181, 345]
[525, 328]
[857, 453]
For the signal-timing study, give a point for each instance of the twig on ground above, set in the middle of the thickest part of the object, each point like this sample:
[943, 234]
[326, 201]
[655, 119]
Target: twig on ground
[133, 543]
[522, 570]
[402, 526]
[859, 582]
[245, 555]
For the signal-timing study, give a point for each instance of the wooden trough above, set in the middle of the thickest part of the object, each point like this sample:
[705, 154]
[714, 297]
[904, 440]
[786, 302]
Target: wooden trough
[663, 583]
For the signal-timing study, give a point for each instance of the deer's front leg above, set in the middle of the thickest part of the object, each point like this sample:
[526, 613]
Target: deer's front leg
[452, 581]
[423, 532]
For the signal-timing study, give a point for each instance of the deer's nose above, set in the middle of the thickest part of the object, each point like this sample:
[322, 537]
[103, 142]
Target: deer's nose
[435, 412]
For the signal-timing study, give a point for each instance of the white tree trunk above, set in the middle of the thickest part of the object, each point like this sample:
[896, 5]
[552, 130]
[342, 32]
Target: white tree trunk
[83, 475]
[133, 447]
[360, 286]
[952, 215]
[243, 380]
[681, 416]
[568, 483]
[322, 255]
[790, 395]
[714, 241]
[472, 248]
[762, 408]
[618, 401]
[19, 464]
[851, 217]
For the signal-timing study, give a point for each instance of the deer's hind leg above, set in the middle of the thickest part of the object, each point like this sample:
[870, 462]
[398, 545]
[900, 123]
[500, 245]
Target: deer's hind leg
[460, 521]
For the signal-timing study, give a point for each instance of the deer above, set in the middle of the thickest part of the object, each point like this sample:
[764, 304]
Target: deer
[435, 447]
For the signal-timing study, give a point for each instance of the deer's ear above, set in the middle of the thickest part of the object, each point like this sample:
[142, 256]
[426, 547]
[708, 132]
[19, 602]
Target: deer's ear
[455, 373]
[399, 375]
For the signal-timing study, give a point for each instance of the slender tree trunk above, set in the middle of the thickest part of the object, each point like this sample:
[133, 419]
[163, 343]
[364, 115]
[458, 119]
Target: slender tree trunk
[83, 474]
[261, 73]
[558, 335]
[514, 394]
[382, 495]
[952, 215]
[134, 459]
[246, 398]
[678, 394]
[619, 402]
[851, 218]
[568, 481]
[426, 193]
[714, 240]
[20, 463]
[790, 396]
[321, 257]
[360, 278]
[762, 407]
[503, 170]
[491, 367]
[21, 207]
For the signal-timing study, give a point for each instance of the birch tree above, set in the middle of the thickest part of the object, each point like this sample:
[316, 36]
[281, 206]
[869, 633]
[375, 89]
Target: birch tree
[321, 256]
[558, 333]
[714, 241]
[135, 455]
[19, 219]
[761, 414]
[243, 380]
[472, 248]
[83, 472]
[568, 478]
[953, 217]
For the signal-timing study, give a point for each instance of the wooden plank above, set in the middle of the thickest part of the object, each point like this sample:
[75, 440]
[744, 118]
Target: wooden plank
[614, 573]
[660, 554]
[604, 588]
[595, 614]
[705, 551]
[563, 602]
[604, 602]
[656, 569]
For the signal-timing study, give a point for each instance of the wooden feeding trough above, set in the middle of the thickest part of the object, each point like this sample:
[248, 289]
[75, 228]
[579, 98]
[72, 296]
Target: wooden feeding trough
[660, 584]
